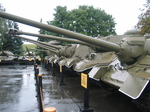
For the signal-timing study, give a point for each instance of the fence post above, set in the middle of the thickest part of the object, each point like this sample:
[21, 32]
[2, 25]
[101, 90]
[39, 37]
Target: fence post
[41, 103]
[53, 68]
[61, 76]
[35, 66]
[36, 75]
[40, 81]
[85, 84]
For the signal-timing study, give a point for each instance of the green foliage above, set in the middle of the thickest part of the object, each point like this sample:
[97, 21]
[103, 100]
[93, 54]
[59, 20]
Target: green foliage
[144, 19]
[13, 44]
[43, 39]
[28, 46]
[3, 27]
[85, 20]
[41, 53]
[92, 22]
[9, 43]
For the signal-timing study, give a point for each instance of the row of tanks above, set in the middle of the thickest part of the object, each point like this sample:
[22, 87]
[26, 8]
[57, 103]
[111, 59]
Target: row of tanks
[7, 58]
[74, 55]
[28, 58]
[120, 62]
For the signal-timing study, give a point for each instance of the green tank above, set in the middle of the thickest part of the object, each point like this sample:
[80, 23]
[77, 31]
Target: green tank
[67, 55]
[72, 54]
[53, 50]
[99, 57]
[52, 54]
[129, 73]
[7, 57]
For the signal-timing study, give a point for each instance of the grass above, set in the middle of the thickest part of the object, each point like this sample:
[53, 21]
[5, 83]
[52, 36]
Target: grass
[28, 46]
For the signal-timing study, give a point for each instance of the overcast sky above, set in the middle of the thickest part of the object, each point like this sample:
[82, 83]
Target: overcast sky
[125, 12]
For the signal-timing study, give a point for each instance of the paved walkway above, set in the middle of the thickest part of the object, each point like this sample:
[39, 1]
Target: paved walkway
[18, 91]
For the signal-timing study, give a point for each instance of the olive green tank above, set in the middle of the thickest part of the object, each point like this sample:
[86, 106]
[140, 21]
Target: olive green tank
[29, 58]
[75, 54]
[72, 52]
[67, 55]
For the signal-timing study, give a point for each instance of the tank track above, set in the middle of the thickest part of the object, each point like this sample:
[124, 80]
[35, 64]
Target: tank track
[143, 102]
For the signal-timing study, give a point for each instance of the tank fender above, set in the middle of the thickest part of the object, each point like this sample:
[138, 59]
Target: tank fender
[134, 86]
[97, 72]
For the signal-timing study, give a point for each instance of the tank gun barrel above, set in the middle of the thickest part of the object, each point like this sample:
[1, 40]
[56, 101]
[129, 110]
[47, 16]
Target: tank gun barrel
[37, 49]
[18, 32]
[44, 47]
[28, 51]
[51, 48]
[100, 43]
[57, 47]
[40, 44]
[54, 51]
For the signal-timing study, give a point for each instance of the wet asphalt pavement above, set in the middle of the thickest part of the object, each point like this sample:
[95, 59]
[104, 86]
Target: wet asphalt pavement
[18, 92]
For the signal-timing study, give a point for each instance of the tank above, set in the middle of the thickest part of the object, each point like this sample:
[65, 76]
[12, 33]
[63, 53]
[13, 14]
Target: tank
[129, 73]
[7, 57]
[32, 57]
[99, 57]
[80, 53]
[27, 57]
[52, 49]
[51, 54]
[72, 52]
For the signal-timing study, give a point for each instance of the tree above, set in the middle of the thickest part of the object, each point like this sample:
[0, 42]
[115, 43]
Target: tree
[60, 19]
[3, 27]
[13, 44]
[144, 19]
[85, 20]
[90, 21]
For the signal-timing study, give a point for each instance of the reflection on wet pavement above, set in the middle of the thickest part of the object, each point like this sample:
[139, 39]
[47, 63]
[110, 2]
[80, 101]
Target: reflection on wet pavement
[18, 93]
